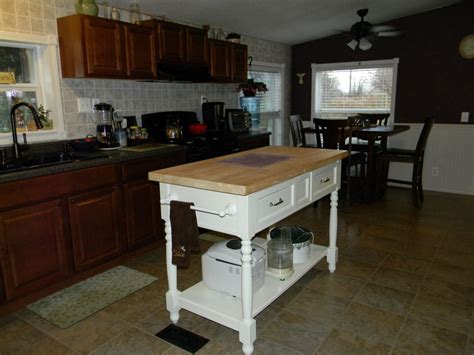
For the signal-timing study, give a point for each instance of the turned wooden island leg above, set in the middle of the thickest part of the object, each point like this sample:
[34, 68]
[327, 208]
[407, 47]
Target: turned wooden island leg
[247, 331]
[332, 250]
[171, 296]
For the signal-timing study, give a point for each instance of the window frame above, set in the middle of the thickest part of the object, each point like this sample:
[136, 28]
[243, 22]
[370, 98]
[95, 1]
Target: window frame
[385, 63]
[47, 81]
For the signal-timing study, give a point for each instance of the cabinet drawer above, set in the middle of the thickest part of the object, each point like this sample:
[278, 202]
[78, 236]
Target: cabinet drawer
[323, 182]
[275, 206]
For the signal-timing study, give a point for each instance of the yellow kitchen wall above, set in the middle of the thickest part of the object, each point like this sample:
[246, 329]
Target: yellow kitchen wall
[134, 98]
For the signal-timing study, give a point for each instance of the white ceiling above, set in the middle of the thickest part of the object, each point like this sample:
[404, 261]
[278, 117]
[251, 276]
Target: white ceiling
[283, 21]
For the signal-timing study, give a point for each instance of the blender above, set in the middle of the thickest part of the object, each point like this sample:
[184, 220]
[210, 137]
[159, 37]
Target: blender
[103, 114]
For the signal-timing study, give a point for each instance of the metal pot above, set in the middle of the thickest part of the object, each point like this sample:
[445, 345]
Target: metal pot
[174, 132]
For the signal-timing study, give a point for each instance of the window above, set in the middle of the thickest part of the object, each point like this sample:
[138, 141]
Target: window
[344, 89]
[29, 72]
[271, 102]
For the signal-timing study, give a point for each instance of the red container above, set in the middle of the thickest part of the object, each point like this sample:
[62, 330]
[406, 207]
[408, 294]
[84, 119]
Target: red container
[197, 129]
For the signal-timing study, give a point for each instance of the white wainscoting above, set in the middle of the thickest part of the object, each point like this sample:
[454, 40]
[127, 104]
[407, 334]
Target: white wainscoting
[450, 149]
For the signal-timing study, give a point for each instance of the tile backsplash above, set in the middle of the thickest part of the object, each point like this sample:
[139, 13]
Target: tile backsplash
[134, 98]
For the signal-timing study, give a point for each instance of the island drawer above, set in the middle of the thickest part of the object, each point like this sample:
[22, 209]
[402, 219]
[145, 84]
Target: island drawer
[323, 181]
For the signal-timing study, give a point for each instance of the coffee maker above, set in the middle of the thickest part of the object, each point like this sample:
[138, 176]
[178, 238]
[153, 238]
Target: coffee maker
[213, 116]
[105, 130]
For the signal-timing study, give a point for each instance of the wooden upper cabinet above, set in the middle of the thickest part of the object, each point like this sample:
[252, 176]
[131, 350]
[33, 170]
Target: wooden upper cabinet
[140, 51]
[220, 60]
[197, 50]
[171, 43]
[103, 47]
[239, 60]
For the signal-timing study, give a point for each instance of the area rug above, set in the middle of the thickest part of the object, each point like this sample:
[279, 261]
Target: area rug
[70, 305]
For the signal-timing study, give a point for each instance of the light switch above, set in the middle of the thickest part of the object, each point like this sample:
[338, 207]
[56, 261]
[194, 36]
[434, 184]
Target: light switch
[84, 104]
[465, 117]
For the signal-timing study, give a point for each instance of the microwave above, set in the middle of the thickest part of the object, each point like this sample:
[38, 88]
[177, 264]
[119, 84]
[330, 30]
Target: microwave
[237, 121]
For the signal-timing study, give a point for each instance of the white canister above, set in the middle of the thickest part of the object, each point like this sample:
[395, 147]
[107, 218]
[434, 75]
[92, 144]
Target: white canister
[301, 237]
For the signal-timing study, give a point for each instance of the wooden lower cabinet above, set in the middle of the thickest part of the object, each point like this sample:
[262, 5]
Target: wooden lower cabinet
[32, 248]
[142, 206]
[96, 226]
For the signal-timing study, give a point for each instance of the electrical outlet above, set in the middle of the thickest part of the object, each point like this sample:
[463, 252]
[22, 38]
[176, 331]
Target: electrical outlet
[84, 104]
[434, 171]
[465, 117]
[203, 99]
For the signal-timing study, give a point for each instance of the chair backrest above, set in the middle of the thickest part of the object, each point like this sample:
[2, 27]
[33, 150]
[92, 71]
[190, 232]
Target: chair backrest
[332, 134]
[379, 119]
[423, 138]
[296, 129]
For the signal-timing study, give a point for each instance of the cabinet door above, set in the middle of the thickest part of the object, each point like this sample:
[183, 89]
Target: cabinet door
[32, 247]
[172, 43]
[197, 51]
[142, 203]
[239, 62]
[103, 47]
[96, 227]
[140, 51]
[220, 60]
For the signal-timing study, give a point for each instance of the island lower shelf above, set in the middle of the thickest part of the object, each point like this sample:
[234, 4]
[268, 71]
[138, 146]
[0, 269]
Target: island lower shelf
[227, 310]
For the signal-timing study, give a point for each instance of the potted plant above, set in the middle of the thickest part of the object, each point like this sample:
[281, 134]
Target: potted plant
[251, 87]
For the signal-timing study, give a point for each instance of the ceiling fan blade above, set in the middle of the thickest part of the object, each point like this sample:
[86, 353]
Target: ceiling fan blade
[382, 28]
[390, 34]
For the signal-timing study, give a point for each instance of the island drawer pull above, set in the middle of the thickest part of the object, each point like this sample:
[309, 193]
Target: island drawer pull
[280, 201]
[326, 180]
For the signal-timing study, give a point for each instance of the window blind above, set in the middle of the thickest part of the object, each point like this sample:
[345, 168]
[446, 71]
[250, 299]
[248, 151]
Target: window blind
[270, 101]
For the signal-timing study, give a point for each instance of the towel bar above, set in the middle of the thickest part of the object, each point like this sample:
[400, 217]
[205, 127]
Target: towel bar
[230, 209]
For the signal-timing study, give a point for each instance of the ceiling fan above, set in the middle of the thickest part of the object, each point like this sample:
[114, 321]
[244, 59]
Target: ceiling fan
[364, 32]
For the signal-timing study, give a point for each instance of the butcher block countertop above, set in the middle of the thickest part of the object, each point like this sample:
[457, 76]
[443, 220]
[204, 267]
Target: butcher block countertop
[250, 171]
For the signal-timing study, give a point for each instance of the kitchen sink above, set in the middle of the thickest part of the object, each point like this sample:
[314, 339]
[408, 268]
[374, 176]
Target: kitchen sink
[49, 159]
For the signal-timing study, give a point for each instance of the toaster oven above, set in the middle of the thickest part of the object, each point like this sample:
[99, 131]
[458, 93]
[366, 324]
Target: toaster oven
[238, 121]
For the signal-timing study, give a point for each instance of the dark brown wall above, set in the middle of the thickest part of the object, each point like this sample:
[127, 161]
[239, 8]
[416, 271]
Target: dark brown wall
[433, 79]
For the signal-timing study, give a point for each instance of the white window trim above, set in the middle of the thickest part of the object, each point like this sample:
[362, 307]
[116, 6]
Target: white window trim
[263, 66]
[386, 63]
[47, 73]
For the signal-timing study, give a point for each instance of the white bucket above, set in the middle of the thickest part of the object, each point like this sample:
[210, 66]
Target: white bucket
[301, 249]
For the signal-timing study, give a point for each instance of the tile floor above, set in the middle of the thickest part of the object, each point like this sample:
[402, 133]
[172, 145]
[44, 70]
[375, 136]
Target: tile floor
[404, 284]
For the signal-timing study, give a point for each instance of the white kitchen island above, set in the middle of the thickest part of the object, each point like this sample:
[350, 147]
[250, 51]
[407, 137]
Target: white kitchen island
[242, 194]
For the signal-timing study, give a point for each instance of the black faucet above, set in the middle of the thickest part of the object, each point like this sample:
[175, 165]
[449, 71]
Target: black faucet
[16, 146]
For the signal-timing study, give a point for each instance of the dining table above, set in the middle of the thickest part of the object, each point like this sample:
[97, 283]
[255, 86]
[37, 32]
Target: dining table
[373, 185]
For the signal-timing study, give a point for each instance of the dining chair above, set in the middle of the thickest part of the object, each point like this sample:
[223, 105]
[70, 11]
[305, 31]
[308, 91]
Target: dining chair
[414, 157]
[379, 119]
[298, 132]
[337, 134]
[375, 119]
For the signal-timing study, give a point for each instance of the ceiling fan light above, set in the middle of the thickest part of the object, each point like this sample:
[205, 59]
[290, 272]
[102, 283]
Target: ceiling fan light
[365, 44]
[352, 44]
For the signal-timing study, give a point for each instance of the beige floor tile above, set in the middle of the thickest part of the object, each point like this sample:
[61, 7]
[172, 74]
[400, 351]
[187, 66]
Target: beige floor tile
[457, 258]
[447, 291]
[318, 306]
[423, 338]
[387, 299]
[375, 242]
[265, 317]
[133, 341]
[343, 342]
[399, 280]
[17, 336]
[362, 254]
[355, 268]
[296, 332]
[263, 346]
[406, 263]
[288, 296]
[337, 284]
[452, 273]
[415, 249]
[220, 338]
[174, 350]
[442, 314]
[371, 324]
[47, 346]
[470, 346]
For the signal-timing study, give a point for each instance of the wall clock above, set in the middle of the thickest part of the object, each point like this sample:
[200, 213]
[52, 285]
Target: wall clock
[466, 47]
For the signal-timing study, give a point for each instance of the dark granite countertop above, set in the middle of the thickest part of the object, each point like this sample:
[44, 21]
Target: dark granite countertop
[95, 158]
